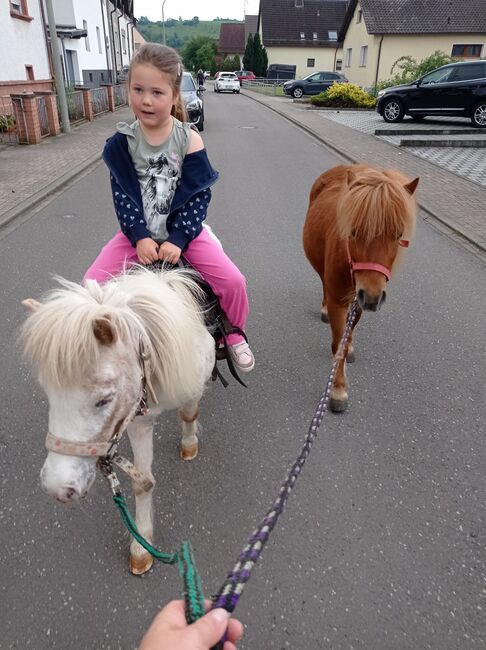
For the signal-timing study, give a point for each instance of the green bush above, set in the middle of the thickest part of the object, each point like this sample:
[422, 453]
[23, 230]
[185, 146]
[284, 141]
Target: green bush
[341, 95]
[6, 122]
[406, 69]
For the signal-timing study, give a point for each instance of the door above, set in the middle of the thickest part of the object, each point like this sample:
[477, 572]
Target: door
[432, 94]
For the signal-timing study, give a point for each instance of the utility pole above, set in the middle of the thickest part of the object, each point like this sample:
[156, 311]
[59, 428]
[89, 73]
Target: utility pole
[58, 78]
[163, 22]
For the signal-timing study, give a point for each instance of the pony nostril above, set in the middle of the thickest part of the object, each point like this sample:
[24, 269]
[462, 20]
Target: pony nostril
[361, 297]
[383, 298]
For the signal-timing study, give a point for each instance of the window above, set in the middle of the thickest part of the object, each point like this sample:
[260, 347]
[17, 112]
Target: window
[467, 72]
[332, 36]
[467, 51]
[363, 56]
[311, 63]
[18, 9]
[359, 15]
[30, 72]
[86, 39]
[98, 36]
[302, 35]
[437, 77]
[347, 60]
[314, 36]
[90, 75]
[339, 64]
[299, 3]
[124, 41]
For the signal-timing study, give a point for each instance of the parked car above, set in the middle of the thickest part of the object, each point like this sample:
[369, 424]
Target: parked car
[227, 81]
[207, 74]
[453, 89]
[193, 100]
[313, 84]
[245, 75]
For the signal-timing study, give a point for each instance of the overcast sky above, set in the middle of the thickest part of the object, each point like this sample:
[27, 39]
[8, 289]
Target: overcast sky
[205, 10]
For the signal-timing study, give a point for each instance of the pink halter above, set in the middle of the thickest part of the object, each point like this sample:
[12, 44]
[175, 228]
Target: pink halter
[371, 266]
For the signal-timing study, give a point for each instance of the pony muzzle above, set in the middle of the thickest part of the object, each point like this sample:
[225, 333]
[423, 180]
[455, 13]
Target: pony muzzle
[370, 301]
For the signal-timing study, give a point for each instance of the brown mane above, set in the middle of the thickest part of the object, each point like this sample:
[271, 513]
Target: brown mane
[375, 204]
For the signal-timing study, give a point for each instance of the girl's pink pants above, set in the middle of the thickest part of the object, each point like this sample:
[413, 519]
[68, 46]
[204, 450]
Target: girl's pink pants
[204, 253]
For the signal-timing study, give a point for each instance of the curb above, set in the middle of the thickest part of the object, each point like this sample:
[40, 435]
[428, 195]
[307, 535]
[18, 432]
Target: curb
[27, 204]
[454, 227]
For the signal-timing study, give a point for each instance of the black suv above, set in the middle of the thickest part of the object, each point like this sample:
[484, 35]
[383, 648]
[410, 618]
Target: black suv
[313, 84]
[454, 89]
[193, 100]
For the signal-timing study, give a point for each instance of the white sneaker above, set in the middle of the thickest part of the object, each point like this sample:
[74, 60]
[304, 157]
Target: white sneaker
[242, 356]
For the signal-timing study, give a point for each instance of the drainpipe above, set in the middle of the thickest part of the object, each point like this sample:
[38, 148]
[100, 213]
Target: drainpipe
[335, 56]
[378, 62]
[108, 69]
[112, 33]
[119, 35]
[48, 47]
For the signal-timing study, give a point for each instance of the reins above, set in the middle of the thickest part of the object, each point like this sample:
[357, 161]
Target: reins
[229, 593]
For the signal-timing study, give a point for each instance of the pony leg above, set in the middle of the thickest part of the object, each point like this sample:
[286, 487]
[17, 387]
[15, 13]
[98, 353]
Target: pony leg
[350, 356]
[190, 427]
[140, 432]
[339, 393]
[324, 312]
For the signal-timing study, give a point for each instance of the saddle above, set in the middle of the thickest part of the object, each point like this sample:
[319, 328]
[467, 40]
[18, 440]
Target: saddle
[215, 319]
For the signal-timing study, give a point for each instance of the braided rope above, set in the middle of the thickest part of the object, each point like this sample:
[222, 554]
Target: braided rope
[232, 588]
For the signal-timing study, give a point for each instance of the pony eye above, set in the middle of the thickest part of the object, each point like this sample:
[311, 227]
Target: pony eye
[103, 402]
[400, 235]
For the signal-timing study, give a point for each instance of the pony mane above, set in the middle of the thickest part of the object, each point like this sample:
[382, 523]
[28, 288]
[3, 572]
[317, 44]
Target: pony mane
[375, 204]
[59, 338]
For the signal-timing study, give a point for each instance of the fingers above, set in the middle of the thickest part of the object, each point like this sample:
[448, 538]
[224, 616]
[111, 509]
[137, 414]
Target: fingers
[211, 627]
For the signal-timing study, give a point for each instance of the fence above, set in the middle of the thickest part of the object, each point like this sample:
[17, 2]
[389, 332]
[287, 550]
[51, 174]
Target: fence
[75, 104]
[99, 100]
[8, 123]
[120, 94]
[264, 86]
[43, 117]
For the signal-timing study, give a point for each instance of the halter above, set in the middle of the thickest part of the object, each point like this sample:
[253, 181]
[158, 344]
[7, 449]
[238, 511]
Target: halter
[105, 448]
[371, 266]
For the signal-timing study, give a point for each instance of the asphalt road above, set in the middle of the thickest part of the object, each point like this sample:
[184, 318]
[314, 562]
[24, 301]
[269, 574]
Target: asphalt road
[382, 544]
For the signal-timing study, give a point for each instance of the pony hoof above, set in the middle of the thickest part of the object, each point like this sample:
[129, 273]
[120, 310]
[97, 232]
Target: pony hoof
[140, 564]
[351, 357]
[338, 405]
[324, 316]
[189, 453]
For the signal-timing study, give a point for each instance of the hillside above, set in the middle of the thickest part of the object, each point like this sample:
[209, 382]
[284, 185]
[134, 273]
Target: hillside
[178, 32]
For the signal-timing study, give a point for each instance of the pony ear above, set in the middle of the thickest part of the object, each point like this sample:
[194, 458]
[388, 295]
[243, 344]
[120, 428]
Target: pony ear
[104, 331]
[31, 304]
[412, 186]
[349, 177]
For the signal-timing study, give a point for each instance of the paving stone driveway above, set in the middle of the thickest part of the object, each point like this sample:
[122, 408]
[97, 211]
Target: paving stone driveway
[468, 162]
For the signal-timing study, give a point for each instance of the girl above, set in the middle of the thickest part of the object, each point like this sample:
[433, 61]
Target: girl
[160, 179]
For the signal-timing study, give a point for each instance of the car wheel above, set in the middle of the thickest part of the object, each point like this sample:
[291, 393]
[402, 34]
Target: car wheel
[297, 92]
[393, 111]
[237, 92]
[478, 115]
[200, 124]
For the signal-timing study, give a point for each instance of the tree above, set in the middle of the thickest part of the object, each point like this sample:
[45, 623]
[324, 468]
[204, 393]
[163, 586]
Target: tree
[255, 57]
[190, 50]
[248, 58]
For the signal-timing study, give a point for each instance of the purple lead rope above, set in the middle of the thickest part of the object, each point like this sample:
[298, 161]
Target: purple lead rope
[232, 588]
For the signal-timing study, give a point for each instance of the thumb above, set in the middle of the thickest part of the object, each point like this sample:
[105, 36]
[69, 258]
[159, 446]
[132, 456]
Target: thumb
[211, 627]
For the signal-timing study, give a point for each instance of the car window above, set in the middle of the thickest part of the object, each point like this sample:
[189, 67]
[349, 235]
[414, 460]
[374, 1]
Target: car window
[314, 77]
[466, 72]
[187, 83]
[328, 76]
[437, 76]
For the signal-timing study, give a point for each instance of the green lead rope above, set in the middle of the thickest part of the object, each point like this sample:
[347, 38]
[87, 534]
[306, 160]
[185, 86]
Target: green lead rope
[184, 558]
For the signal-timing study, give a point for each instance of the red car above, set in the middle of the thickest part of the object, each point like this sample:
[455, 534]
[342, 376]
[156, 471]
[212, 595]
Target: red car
[245, 75]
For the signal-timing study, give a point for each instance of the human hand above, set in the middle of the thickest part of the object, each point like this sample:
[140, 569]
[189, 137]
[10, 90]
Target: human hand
[169, 252]
[147, 250]
[169, 630]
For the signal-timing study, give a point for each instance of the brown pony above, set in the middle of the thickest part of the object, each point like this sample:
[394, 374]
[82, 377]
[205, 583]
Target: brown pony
[357, 218]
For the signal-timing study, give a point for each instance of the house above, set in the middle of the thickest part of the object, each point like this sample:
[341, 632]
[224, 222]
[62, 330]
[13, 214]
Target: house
[95, 39]
[251, 26]
[24, 64]
[138, 39]
[231, 40]
[303, 33]
[375, 33]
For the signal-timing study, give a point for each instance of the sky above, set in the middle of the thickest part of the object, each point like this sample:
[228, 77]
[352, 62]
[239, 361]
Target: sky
[205, 10]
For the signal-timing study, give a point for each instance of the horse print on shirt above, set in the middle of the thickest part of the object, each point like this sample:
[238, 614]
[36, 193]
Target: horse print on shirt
[158, 185]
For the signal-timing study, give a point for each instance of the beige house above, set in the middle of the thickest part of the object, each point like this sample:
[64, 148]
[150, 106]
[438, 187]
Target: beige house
[301, 33]
[376, 33]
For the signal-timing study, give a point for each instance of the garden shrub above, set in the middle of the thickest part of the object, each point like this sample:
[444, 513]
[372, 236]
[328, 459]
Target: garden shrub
[7, 122]
[406, 69]
[345, 95]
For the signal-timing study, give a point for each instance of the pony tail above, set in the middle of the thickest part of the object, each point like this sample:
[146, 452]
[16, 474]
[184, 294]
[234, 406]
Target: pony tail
[179, 110]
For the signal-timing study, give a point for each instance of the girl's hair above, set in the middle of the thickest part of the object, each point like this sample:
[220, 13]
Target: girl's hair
[168, 61]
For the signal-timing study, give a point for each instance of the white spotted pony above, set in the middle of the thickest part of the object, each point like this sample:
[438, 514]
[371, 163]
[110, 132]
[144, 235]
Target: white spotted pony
[96, 349]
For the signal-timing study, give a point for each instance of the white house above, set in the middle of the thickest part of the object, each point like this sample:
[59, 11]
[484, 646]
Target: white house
[24, 64]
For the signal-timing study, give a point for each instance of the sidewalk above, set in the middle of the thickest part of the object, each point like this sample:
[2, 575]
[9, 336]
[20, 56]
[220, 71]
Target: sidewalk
[30, 173]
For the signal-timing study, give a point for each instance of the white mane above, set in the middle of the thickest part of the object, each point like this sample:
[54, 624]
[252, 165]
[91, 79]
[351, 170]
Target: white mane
[59, 339]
